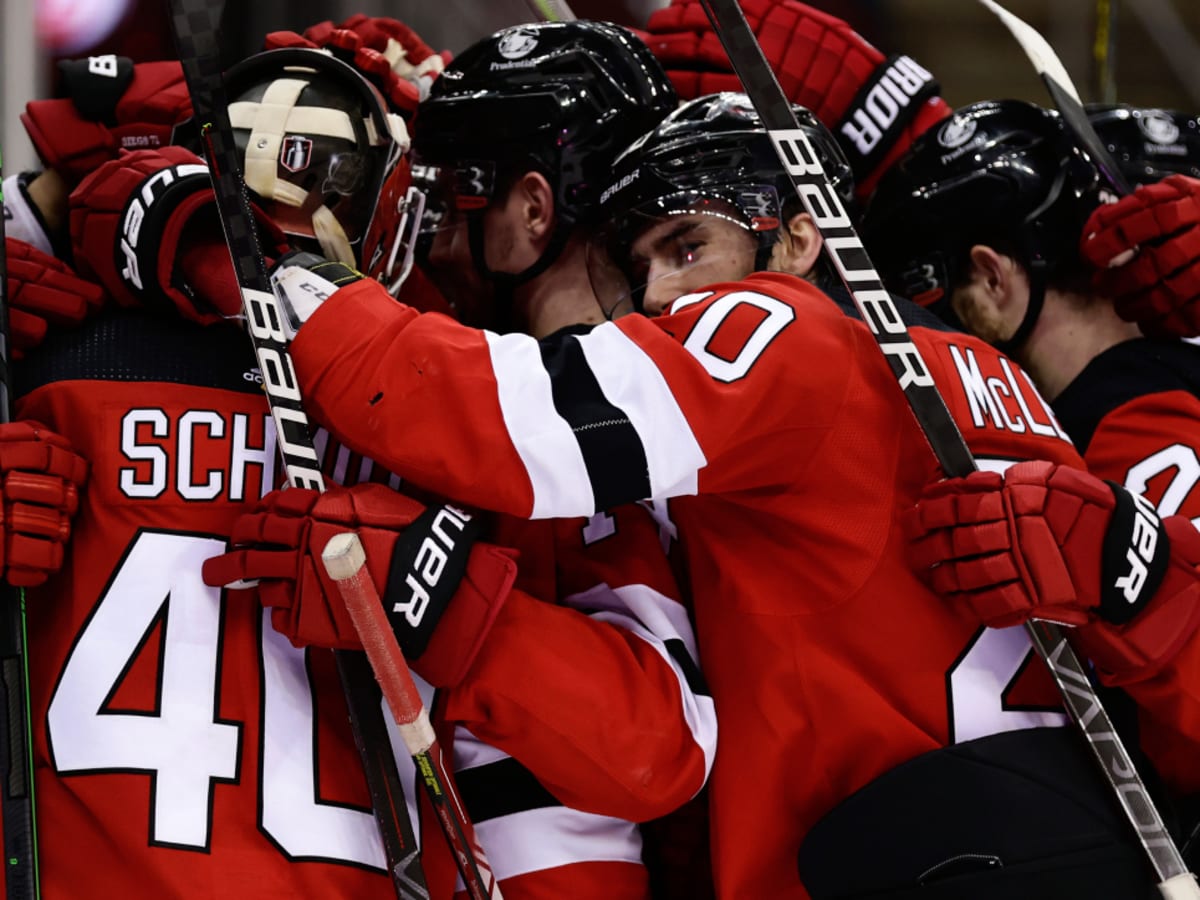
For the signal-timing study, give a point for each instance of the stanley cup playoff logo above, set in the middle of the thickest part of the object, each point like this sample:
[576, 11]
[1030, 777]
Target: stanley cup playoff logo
[295, 153]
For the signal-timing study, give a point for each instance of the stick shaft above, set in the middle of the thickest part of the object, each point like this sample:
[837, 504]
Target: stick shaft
[194, 25]
[346, 563]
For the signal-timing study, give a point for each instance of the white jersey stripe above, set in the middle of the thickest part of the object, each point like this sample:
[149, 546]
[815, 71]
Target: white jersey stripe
[655, 618]
[543, 438]
[633, 383]
[555, 836]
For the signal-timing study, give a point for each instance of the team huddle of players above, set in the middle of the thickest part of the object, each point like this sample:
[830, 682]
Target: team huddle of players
[694, 608]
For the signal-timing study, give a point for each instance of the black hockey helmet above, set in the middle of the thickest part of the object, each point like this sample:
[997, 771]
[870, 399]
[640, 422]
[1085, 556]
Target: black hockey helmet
[563, 98]
[317, 144]
[1148, 144]
[1001, 173]
[715, 150]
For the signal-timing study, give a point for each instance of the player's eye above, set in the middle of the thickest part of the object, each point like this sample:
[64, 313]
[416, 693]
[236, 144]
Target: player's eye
[688, 252]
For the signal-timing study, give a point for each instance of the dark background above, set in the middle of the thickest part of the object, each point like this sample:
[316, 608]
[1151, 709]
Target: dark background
[1155, 60]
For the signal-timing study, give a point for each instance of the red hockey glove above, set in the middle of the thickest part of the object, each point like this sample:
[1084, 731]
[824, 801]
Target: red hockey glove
[145, 226]
[440, 587]
[387, 52]
[1146, 251]
[43, 291]
[40, 479]
[876, 106]
[1040, 541]
[112, 104]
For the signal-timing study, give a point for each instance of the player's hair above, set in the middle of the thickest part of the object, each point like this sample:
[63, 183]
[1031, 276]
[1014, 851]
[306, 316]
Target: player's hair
[715, 148]
[560, 98]
[999, 173]
[317, 144]
[1148, 144]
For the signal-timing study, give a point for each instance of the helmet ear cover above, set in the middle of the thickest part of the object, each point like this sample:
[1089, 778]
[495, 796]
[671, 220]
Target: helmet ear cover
[317, 144]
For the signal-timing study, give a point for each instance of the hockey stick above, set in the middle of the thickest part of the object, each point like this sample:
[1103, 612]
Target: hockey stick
[551, 10]
[1104, 50]
[194, 24]
[875, 305]
[1062, 92]
[346, 564]
[16, 747]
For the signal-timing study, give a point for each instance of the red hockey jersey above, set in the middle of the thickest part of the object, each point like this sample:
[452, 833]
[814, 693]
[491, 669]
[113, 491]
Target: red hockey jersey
[773, 424]
[1134, 413]
[184, 749]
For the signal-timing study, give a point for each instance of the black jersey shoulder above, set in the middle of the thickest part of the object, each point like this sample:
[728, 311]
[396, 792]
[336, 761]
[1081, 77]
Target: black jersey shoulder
[1129, 370]
[130, 345]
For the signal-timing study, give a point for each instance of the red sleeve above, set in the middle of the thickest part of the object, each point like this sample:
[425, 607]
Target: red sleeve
[1169, 718]
[599, 697]
[635, 409]
[1151, 445]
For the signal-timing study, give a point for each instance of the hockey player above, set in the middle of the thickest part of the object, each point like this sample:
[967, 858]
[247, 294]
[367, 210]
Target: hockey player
[181, 747]
[1013, 276]
[776, 429]
[586, 717]
[992, 240]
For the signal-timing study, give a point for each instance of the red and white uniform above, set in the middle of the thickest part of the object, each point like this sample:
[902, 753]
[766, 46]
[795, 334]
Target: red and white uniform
[778, 431]
[611, 722]
[183, 748]
[1134, 414]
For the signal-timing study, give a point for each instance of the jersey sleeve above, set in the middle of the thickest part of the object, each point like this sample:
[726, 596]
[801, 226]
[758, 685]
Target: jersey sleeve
[601, 697]
[635, 409]
[1150, 445]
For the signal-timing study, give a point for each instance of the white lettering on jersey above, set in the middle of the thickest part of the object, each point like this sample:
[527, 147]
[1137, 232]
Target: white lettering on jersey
[1004, 402]
[170, 448]
[1183, 461]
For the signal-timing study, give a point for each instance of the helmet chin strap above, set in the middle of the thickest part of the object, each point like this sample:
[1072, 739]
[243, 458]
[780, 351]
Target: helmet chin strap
[1037, 299]
[507, 281]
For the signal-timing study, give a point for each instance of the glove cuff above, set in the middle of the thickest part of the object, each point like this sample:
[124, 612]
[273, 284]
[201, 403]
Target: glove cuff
[1133, 558]
[428, 564]
[146, 230]
[466, 623]
[885, 105]
[1142, 648]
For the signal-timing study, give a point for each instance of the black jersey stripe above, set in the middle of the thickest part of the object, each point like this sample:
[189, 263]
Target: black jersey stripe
[501, 788]
[612, 450]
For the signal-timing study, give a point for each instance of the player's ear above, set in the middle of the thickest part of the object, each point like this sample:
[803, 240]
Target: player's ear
[994, 276]
[988, 301]
[798, 247]
[536, 203]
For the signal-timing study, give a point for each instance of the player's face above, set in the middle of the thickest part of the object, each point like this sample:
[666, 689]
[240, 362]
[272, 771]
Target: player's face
[681, 253]
[448, 262]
